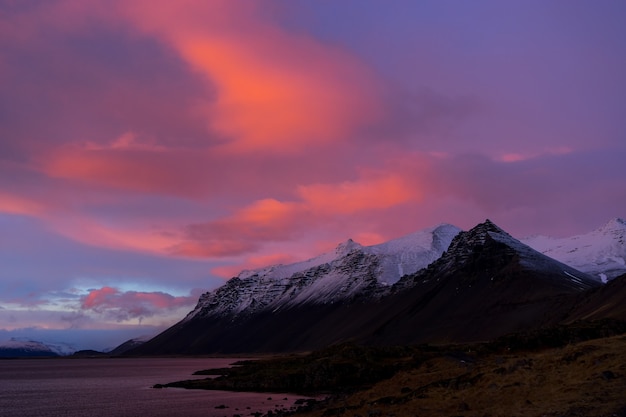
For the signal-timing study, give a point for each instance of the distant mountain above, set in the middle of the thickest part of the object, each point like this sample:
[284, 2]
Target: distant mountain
[484, 285]
[89, 353]
[16, 348]
[601, 253]
[128, 345]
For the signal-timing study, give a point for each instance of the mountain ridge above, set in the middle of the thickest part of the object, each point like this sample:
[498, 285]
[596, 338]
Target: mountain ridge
[601, 252]
[484, 285]
[331, 277]
[16, 347]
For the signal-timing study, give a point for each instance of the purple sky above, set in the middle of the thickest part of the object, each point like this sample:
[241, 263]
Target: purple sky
[149, 150]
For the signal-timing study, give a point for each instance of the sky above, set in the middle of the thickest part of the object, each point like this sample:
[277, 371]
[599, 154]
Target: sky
[152, 149]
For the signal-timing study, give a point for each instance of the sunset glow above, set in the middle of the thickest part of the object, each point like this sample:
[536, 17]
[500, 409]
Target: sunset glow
[170, 144]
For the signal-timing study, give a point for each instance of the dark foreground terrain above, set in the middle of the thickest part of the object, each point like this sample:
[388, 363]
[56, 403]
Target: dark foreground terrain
[574, 370]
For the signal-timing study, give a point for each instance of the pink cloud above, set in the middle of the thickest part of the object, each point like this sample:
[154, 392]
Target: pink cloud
[524, 156]
[243, 232]
[131, 165]
[275, 90]
[353, 196]
[15, 204]
[253, 262]
[89, 230]
[127, 120]
[127, 305]
[269, 220]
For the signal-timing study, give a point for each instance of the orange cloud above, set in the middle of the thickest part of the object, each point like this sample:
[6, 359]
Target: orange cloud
[269, 220]
[349, 197]
[214, 248]
[128, 165]
[274, 90]
[266, 211]
[263, 221]
[91, 232]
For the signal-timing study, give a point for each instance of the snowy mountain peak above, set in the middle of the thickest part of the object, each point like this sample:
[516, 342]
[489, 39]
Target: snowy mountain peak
[488, 227]
[614, 225]
[21, 347]
[600, 253]
[349, 271]
[478, 235]
[487, 253]
[346, 247]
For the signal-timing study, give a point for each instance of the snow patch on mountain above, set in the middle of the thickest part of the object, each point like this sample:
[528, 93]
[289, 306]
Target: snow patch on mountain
[348, 271]
[485, 246]
[16, 347]
[600, 253]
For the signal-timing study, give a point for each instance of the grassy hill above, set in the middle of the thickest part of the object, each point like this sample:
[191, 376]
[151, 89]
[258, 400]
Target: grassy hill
[573, 370]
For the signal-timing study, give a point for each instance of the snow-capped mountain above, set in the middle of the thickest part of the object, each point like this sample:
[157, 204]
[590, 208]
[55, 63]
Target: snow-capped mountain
[485, 284]
[600, 253]
[25, 348]
[348, 271]
[487, 252]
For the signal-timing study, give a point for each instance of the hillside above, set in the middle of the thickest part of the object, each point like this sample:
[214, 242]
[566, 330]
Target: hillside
[484, 285]
[573, 370]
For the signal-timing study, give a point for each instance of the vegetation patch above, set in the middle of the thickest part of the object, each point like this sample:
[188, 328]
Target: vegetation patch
[575, 370]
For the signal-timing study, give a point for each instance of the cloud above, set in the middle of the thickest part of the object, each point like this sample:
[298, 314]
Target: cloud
[524, 156]
[252, 262]
[14, 204]
[274, 90]
[137, 133]
[352, 196]
[245, 231]
[270, 220]
[77, 319]
[126, 305]
[129, 166]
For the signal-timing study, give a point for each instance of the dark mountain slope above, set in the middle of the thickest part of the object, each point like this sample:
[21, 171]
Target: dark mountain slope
[487, 284]
[608, 301]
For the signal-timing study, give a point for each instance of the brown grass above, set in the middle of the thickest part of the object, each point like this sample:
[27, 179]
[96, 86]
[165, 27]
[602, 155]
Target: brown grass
[584, 379]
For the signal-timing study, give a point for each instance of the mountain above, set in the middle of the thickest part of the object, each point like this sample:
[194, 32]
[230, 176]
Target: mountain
[128, 345]
[607, 301]
[601, 252]
[349, 271]
[297, 303]
[484, 285]
[16, 348]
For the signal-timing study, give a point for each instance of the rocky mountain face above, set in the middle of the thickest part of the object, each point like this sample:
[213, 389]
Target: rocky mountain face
[601, 252]
[349, 272]
[486, 284]
[487, 252]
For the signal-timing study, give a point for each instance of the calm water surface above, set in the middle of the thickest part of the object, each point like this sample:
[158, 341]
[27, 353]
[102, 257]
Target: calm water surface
[120, 387]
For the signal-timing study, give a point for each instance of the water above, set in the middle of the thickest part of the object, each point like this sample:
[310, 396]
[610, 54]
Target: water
[120, 388]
